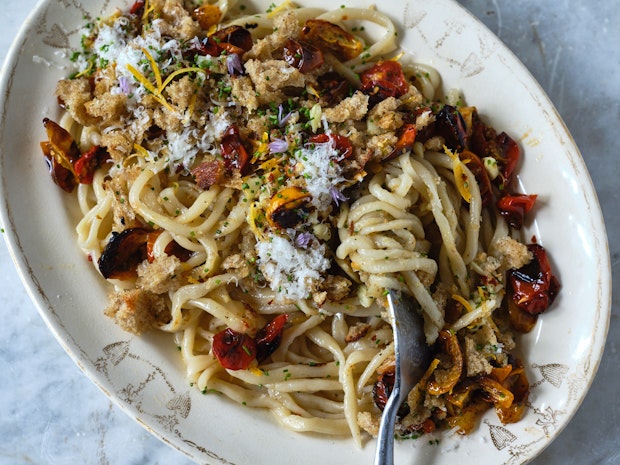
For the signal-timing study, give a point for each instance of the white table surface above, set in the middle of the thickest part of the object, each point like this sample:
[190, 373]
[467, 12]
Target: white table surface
[50, 413]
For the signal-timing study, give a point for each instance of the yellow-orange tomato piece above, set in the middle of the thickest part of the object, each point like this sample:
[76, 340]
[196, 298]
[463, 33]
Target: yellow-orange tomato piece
[444, 379]
[207, 16]
[332, 38]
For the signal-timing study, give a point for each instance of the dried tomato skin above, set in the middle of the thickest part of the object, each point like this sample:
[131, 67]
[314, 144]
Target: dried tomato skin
[533, 286]
[334, 88]
[173, 248]
[235, 156]
[485, 142]
[137, 8]
[342, 144]
[451, 126]
[382, 390]
[475, 165]
[123, 252]
[513, 208]
[510, 155]
[234, 350]
[61, 176]
[302, 55]
[269, 337]
[87, 164]
[237, 36]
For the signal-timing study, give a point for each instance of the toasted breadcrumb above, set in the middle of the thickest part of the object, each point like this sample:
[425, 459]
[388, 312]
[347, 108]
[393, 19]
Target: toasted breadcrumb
[351, 108]
[137, 311]
[512, 253]
[160, 276]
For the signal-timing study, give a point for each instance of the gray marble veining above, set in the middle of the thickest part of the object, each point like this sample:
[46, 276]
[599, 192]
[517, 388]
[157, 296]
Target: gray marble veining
[52, 414]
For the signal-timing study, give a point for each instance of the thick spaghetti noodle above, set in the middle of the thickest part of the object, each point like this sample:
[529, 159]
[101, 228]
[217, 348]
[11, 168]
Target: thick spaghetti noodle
[254, 183]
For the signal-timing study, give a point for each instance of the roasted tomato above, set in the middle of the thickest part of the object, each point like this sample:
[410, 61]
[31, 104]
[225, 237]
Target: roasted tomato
[137, 8]
[334, 88]
[485, 142]
[207, 15]
[341, 144]
[330, 37]
[123, 253]
[383, 80]
[406, 139]
[67, 165]
[172, 248]
[534, 287]
[234, 350]
[451, 126]
[473, 162]
[61, 176]
[520, 320]
[519, 386]
[233, 39]
[62, 145]
[288, 207]
[514, 208]
[236, 157]
[302, 55]
[269, 337]
[88, 162]
[382, 390]
[445, 377]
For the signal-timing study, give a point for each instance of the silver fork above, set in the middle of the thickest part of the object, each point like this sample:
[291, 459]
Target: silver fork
[412, 359]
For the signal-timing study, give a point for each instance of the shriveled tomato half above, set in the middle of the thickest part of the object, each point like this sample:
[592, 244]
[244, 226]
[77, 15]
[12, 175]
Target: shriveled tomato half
[234, 350]
[269, 337]
[514, 208]
[234, 153]
[331, 38]
[475, 165]
[302, 55]
[89, 161]
[534, 286]
[406, 139]
[383, 80]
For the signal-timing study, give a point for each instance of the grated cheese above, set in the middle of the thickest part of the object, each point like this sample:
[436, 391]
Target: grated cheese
[290, 271]
[318, 164]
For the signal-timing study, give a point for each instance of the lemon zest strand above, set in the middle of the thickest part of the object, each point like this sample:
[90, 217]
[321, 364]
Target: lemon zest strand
[176, 73]
[155, 69]
[464, 302]
[460, 178]
[148, 86]
[141, 150]
[285, 5]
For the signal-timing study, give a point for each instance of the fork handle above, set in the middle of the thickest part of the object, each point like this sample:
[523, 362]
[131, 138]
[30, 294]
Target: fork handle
[384, 452]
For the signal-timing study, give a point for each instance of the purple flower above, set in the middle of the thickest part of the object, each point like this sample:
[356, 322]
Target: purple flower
[278, 146]
[282, 119]
[235, 67]
[304, 239]
[337, 196]
[124, 84]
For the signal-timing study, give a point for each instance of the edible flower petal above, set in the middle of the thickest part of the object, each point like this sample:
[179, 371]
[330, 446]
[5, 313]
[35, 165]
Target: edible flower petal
[282, 120]
[234, 64]
[278, 146]
[304, 239]
[337, 196]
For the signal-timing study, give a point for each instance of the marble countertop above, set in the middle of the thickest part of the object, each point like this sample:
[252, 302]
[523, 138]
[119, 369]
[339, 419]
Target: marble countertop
[52, 414]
